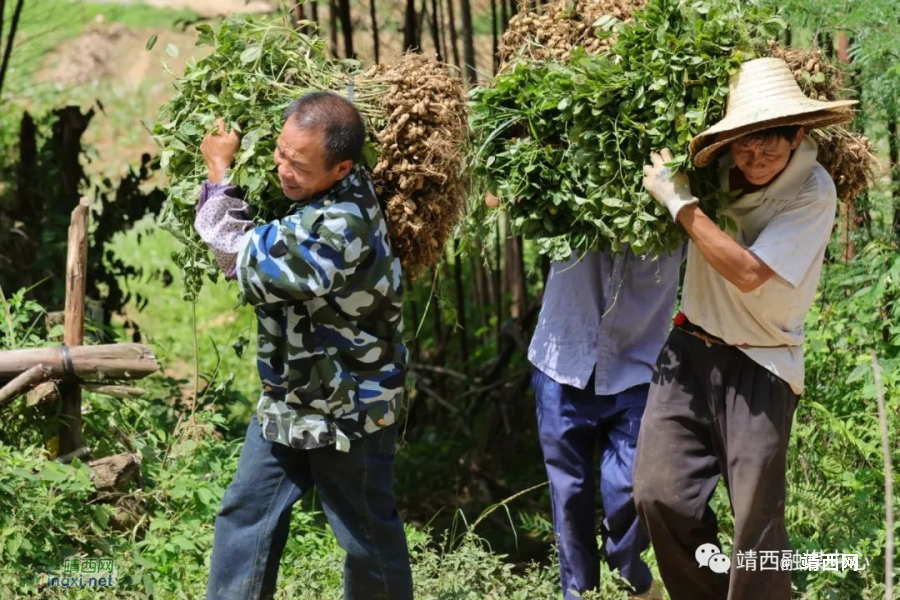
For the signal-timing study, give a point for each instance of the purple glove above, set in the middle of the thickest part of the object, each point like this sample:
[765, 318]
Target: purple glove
[222, 220]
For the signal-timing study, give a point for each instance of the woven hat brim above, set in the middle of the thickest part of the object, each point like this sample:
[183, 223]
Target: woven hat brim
[707, 145]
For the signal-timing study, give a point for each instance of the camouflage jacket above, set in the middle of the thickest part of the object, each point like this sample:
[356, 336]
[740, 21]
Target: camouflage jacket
[327, 291]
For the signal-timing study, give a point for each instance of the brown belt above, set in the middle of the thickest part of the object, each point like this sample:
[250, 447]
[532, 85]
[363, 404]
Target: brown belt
[710, 340]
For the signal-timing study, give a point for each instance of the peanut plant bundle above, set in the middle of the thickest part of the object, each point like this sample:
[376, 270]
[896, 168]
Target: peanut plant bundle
[258, 65]
[846, 155]
[562, 144]
[553, 30]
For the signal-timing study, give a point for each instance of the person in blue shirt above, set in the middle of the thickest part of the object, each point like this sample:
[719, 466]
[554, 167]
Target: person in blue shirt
[604, 319]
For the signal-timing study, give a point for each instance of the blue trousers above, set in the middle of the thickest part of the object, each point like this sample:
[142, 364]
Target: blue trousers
[572, 423]
[356, 491]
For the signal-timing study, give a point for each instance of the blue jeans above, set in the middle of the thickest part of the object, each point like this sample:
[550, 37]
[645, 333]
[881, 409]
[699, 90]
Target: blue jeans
[571, 424]
[355, 488]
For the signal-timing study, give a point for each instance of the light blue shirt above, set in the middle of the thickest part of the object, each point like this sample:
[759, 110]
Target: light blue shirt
[605, 314]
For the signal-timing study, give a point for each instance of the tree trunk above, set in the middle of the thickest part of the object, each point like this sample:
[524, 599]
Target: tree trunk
[482, 287]
[314, 12]
[10, 40]
[347, 27]
[2, 14]
[461, 306]
[436, 32]
[495, 42]
[413, 327]
[454, 44]
[442, 28]
[28, 204]
[848, 211]
[333, 25]
[514, 272]
[303, 21]
[374, 17]
[410, 37]
[497, 277]
[894, 154]
[440, 342]
[471, 69]
[504, 17]
[420, 24]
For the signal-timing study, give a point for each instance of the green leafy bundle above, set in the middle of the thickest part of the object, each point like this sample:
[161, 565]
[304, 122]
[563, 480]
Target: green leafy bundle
[415, 114]
[563, 144]
[257, 67]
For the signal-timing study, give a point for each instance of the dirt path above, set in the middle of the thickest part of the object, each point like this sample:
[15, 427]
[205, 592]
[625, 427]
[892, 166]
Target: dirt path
[209, 8]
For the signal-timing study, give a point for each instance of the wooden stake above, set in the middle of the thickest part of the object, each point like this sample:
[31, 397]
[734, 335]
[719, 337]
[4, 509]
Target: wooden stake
[70, 438]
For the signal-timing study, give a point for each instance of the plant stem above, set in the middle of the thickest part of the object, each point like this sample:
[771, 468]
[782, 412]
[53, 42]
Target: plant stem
[888, 482]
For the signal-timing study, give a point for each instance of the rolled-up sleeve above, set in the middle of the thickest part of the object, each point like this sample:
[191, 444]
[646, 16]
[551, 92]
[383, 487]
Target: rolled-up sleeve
[222, 221]
[282, 261]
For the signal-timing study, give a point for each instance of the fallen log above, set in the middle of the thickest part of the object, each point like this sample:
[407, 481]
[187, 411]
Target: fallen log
[90, 363]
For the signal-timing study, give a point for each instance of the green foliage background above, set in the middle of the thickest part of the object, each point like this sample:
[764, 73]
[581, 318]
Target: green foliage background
[48, 511]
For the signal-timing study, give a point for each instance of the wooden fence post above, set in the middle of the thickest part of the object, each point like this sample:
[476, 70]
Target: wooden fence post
[70, 436]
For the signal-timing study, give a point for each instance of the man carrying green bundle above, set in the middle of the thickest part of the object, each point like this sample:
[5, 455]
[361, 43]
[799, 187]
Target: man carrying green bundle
[728, 379]
[327, 292]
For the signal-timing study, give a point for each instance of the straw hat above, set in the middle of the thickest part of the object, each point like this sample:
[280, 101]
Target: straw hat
[761, 95]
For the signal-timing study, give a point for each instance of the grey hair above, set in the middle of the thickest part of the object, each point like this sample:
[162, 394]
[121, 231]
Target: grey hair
[337, 118]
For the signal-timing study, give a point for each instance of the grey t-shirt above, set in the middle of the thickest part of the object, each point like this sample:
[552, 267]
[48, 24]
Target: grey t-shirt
[787, 225]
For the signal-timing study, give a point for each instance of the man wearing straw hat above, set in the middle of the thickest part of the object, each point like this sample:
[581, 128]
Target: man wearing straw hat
[728, 379]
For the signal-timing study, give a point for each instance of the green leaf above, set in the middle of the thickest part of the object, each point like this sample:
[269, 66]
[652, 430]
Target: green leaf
[151, 42]
[251, 54]
[172, 50]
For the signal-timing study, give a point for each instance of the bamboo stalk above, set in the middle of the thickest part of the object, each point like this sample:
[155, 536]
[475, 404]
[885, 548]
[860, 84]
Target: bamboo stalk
[107, 361]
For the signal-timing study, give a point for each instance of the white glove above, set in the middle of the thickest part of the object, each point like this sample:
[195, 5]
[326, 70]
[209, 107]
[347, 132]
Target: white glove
[672, 190]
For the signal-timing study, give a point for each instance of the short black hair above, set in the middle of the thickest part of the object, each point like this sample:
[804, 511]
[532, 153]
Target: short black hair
[788, 132]
[337, 118]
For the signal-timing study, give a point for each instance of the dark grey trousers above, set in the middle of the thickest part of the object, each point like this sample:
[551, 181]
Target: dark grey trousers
[713, 412]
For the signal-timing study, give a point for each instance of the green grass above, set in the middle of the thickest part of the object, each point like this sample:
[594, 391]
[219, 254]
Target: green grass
[45, 24]
[167, 322]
